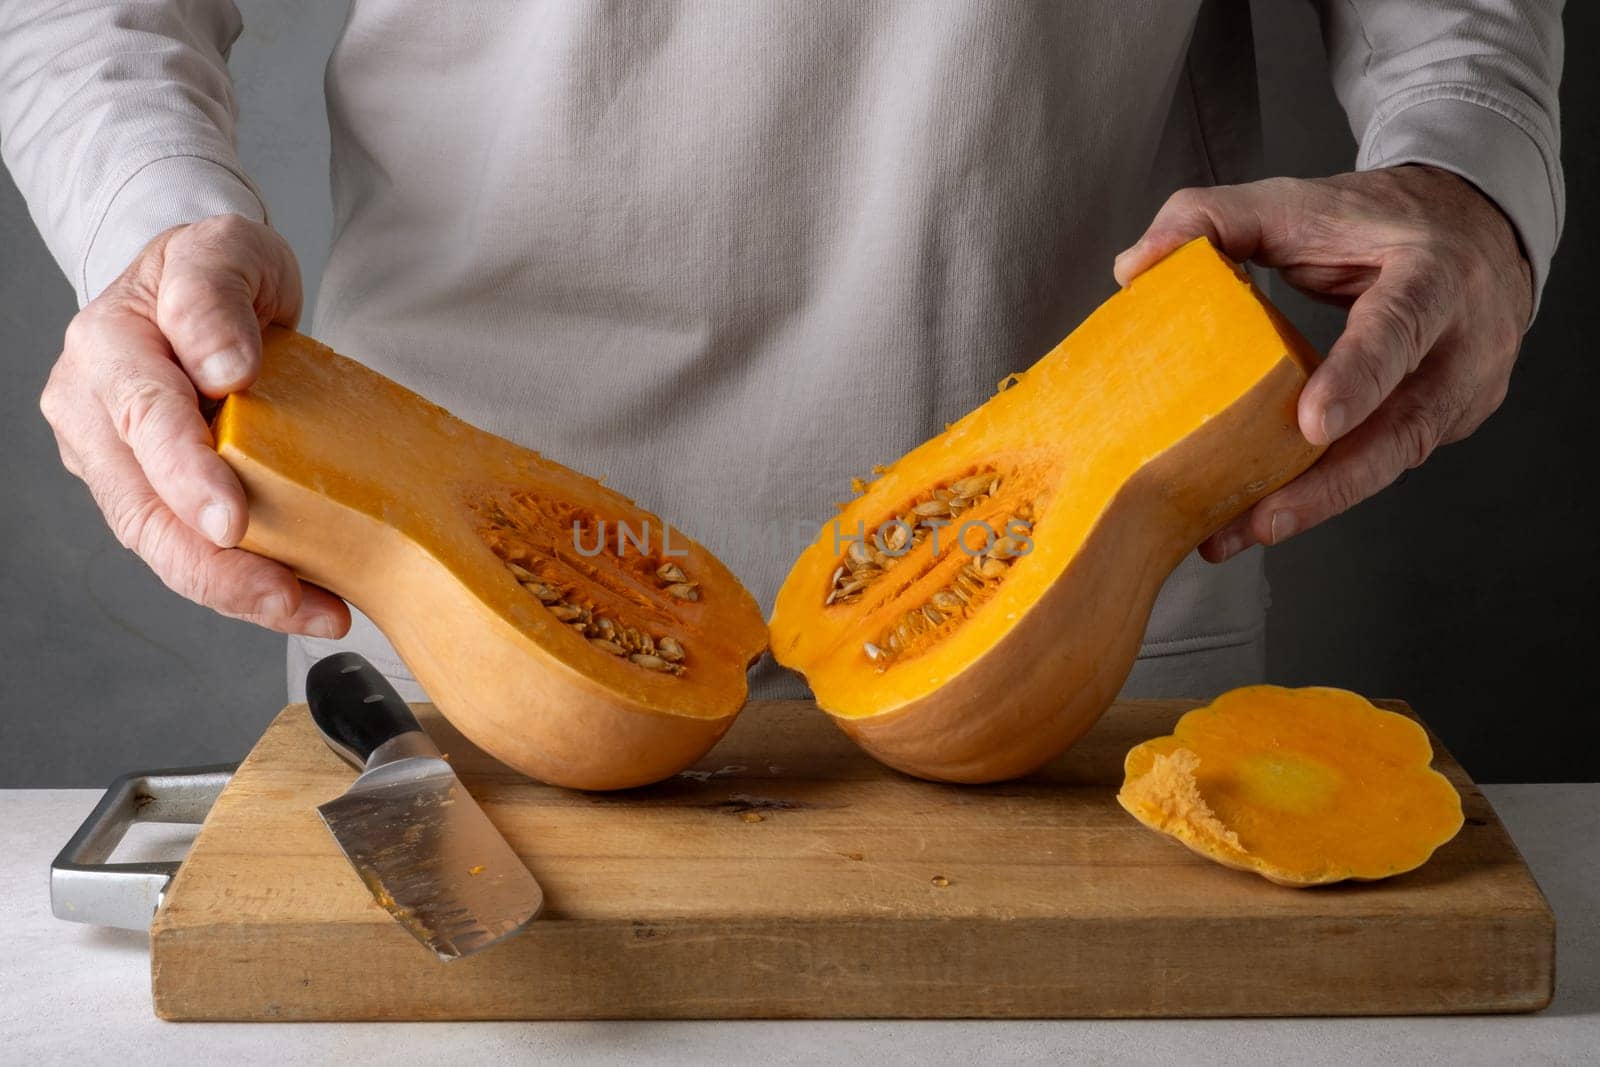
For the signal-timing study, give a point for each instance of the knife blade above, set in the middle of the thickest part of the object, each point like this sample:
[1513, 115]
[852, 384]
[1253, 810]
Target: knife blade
[425, 850]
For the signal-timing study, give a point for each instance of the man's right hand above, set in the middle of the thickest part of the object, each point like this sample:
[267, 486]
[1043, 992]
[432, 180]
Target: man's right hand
[186, 316]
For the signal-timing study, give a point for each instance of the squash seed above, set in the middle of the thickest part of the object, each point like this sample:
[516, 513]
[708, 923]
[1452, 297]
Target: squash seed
[684, 591]
[671, 572]
[644, 659]
[669, 649]
[1006, 548]
[972, 485]
[547, 593]
[566, 612]
[607, 646]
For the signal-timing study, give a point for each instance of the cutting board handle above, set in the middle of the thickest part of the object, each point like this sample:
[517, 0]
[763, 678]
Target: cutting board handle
[356, 709]
[84, 888]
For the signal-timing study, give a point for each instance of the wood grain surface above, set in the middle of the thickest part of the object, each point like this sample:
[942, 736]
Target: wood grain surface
[789, 875]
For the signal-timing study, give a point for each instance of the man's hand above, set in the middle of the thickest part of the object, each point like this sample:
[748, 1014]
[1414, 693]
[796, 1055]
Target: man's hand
[1438, 293]
[186, 315]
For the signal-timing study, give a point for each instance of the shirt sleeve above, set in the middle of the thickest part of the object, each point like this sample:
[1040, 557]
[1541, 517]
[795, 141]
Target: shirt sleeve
[117, 121]
[1466, 85]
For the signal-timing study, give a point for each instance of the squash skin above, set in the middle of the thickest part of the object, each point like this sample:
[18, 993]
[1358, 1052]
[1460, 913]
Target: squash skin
[1382, 807]
[1057, 664]
[395, 540]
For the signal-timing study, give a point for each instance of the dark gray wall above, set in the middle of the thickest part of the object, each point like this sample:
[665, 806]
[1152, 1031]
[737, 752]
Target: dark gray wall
[1466, 589]
[1470, 588]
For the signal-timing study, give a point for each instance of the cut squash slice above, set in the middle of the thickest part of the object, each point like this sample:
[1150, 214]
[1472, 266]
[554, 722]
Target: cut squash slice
[973, 611]
[1301, 786]
[562, 629]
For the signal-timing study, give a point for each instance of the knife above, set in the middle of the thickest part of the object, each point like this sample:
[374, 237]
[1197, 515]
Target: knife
[418, 840]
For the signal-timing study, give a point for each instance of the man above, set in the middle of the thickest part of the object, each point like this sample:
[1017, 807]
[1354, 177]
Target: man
[729, 254]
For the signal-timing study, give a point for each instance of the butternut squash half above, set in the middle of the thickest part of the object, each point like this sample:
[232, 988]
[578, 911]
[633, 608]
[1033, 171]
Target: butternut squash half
[973, 611]
[1301, 786]
[562, 629]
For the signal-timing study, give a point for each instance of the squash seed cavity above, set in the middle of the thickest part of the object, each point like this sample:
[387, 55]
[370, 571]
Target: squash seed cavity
[517, 532]
[868, 560]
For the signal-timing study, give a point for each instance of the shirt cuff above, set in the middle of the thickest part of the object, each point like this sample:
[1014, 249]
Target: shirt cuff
[164, 193]
[1491, 145]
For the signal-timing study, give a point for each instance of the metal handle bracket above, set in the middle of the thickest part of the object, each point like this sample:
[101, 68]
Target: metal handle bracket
[85, 888]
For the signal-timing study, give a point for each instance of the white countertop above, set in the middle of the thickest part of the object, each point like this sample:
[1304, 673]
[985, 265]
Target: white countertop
[71, 993]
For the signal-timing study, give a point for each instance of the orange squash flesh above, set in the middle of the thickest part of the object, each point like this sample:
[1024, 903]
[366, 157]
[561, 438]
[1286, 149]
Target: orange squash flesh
[1168, 412]
[1301, 786]
[369, 490]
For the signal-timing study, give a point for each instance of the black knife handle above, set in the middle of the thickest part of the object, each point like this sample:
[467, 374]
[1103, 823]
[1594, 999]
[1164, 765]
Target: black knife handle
[355, 707]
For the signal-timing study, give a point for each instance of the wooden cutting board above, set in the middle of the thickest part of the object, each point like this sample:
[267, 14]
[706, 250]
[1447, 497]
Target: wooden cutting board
[789, 875]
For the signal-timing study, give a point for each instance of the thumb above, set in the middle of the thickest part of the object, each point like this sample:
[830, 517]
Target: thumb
[221, 280]
[1241, 220]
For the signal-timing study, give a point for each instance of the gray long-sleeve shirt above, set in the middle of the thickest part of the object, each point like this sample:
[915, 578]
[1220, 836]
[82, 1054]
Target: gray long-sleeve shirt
[730, 254]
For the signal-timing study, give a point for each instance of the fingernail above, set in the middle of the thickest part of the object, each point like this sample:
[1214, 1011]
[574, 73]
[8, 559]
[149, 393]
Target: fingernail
[275, 606]
[1228, 546]
[214, 522]
[222, 368]
[1333, 420]
[1282, 526]
[1116, 264]
[322, 626]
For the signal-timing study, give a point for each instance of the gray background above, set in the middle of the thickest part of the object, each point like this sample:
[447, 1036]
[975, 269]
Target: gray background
[1468, 589]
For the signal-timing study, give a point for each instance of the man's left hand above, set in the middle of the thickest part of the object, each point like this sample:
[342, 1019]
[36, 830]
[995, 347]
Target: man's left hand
[1438, 293]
